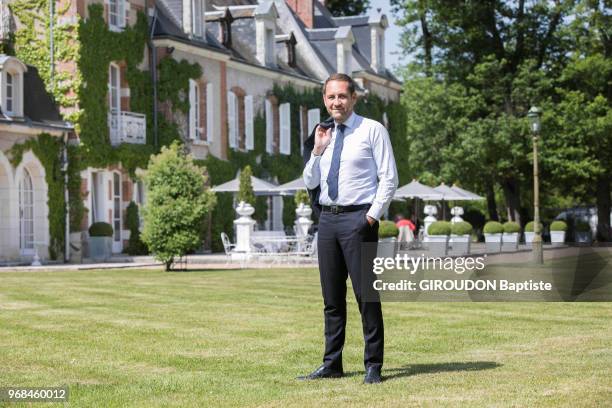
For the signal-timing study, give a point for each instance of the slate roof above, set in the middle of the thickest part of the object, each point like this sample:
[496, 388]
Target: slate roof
[243, 48]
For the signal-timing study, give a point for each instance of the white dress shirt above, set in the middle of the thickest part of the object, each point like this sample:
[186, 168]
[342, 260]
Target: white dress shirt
[368, 174]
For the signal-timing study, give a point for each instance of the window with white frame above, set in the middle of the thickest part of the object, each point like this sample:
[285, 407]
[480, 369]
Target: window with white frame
[285, 128]
[195, 117]
[197, 18]
[209, 112]
[117, 10]
[314, 117]
[232, 119]
[114, 101]
[248, 120]
[269, 127]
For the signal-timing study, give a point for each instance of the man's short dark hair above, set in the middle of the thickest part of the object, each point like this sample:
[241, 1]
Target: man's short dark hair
[341, 77]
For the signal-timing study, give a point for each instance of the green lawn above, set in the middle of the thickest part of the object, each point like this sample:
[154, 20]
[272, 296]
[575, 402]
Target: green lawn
[239, 338]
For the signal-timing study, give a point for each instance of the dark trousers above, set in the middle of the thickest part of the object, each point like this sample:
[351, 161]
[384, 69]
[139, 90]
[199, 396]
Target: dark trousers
[339, 244]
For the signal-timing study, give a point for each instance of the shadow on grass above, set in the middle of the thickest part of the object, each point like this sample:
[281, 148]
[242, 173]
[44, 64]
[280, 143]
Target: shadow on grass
[416, 369]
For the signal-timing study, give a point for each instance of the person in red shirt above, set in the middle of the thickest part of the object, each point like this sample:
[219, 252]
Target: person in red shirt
[401, 221]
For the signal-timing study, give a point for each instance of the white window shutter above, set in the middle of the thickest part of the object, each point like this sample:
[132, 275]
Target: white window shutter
[314, 117]
[248, 121]
[269, 128]
[122, 12]
[285, 128]
[231, 119]
[192, 109]
[209, 112]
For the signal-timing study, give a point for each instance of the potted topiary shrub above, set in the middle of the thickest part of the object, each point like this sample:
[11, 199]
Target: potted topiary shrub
[530, 233]
[437, 238]
[387, 239]
[493, 236]
[461, 235]
[557, 232]
[100, 241]
[582, 232]
[510, 238]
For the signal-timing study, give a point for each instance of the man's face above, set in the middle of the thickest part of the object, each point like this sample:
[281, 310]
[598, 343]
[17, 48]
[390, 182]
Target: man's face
[338, 100]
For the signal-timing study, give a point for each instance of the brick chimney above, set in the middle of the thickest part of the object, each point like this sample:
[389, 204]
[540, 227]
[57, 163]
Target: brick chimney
[304, 9]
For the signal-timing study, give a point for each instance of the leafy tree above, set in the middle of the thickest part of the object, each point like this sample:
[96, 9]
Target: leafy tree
[245, 190]
[132, 219]
[478, 66]
[347, 8]
[177, 203]
[580, 157]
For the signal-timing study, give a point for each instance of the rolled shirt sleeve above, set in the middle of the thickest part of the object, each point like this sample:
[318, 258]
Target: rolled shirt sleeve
[386, 170]
[312, 172]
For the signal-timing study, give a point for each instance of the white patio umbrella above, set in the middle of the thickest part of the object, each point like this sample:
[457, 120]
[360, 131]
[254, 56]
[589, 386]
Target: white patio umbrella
[291, 187]
[260, 187]
[469, 194]
[414, 189]
[448, 194]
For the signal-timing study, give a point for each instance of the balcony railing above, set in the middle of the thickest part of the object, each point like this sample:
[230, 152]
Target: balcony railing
[127, 127]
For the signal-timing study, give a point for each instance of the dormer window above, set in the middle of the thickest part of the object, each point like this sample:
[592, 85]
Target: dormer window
[344, 49]
[378, 24]
[116, 14]
[197, 16]
[194, 23]
[289, 42]
[11, 85]
[265, 32]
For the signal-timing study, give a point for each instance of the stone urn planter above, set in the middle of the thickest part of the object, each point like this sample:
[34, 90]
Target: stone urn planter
[530, 233]
[557, 232]
[437, 238]
[244, 226]
[493, 231]
[510, 237]
[387, 240]
[100, 241]
[460, 238]
[303, 221]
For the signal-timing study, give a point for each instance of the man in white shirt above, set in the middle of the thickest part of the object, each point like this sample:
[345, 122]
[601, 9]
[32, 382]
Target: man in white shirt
[352, 162]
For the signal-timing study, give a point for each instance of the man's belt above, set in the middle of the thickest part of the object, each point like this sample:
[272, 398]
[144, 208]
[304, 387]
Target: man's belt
[337, 209]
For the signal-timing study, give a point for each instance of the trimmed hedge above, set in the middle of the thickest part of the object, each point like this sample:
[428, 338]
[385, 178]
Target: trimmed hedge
[493, 227]
[558, 226]
[101, 229]
[439, 228]
[511, 227]
[387, 229]
[529, 227]
[461, 228]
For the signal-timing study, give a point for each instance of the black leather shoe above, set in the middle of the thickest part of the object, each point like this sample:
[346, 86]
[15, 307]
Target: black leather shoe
[322, 372]
[372, 376]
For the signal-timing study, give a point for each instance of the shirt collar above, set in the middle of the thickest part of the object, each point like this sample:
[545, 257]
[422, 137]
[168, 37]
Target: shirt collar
[350, 122]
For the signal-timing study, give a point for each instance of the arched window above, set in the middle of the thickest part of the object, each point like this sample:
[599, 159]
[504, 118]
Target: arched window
[26, 213]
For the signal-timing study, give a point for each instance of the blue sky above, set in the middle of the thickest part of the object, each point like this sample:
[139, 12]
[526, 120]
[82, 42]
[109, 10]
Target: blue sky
[392, 35]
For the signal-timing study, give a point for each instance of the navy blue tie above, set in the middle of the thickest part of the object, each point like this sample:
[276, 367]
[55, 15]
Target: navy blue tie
[334, 169]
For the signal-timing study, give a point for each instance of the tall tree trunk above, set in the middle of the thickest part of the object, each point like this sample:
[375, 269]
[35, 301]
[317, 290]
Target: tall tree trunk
[604, 233]
[491, 205]
[513, 199]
